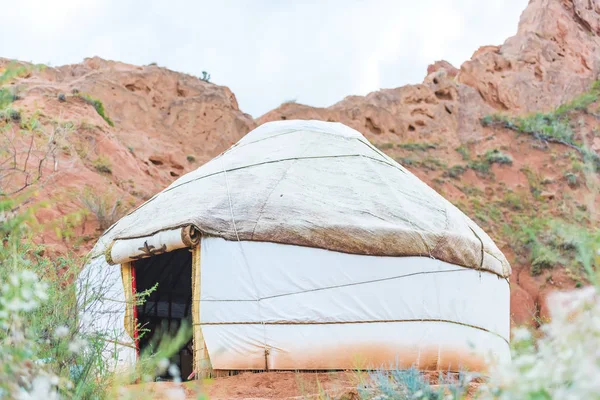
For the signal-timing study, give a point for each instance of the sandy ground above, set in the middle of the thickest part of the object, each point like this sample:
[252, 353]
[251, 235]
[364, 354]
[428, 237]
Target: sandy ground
[259, 386]
[270, 385]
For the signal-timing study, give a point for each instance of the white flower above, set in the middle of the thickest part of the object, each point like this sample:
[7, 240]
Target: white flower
[564, 363]
[162, 365]
[521, 334]
[175, 373]
[77, 345]
[41, 388]
[26, 293]
[174, 370]
[61, 332]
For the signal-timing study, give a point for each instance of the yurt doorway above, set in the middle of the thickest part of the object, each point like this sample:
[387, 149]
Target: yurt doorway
[169, 304]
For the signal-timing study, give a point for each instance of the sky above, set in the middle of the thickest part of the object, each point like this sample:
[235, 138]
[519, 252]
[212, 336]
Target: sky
[265, 51]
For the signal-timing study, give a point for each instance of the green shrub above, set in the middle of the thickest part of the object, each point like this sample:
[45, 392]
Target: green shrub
[106, 209]
[429, 163]
[581, 102]
[98, 106]
[432, 163]
[591, 159]
[412, 384]
[545, 242]
[497, 157]
[464, 152]
[543, 257]
[513, 201]
[190, 158]
[534, 180]
[572, 180]
[417, 146]
[480, 166]
[103, 165]
[455, 171]
[385, 146]
[205, 76]
[10, 114]
[404, 161]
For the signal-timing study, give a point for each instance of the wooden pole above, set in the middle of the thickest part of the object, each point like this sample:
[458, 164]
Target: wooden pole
[128, 276]
[202, 366]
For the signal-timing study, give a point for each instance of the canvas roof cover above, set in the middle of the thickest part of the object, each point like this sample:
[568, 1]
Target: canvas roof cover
[316, 184]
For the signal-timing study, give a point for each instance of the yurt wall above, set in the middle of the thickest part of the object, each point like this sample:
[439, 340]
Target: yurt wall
[272, 306]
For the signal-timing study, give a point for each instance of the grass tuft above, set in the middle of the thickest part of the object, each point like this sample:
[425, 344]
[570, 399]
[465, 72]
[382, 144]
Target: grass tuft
[98, 106]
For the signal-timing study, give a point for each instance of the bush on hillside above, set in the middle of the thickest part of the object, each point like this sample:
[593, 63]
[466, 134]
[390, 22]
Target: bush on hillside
[107, 210]
[553, 126]
[98, 106]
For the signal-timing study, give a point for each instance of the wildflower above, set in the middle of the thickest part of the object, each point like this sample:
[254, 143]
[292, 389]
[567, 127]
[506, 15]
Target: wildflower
[61, 332]
[174, 370]
[563, 364]
[41, 388]
[521, 335]
[77, 345]
[162, 365]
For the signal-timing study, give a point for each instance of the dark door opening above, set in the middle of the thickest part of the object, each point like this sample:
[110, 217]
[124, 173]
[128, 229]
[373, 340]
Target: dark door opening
[165, 308]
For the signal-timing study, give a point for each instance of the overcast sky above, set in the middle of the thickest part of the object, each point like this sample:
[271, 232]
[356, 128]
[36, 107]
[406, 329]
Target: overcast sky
[266, 51]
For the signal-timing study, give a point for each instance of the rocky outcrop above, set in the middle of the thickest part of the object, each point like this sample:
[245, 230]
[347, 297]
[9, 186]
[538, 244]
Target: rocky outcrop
[554, 56]
[451, 71]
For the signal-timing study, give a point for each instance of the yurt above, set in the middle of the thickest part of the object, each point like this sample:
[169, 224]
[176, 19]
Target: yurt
[303, 247]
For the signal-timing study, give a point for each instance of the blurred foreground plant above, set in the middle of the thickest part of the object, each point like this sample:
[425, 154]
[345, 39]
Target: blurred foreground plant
[44, 351]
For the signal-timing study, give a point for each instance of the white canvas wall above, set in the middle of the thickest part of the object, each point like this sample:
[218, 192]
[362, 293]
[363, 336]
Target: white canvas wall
[102, 302]
[318, 309]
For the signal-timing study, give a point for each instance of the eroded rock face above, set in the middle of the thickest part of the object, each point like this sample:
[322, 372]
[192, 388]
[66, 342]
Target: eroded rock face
[409, 113]
[165, 124]
[176, 112]
[451, 71]
[554, 56]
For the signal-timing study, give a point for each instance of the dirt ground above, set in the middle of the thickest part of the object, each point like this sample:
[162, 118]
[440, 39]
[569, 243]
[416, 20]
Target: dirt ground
[266, 385]
[260, 386]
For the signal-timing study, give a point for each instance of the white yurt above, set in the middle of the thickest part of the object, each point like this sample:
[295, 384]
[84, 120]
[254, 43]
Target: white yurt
[302, 247]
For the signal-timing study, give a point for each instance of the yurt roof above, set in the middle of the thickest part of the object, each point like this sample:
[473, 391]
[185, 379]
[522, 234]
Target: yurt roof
[317, 184]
